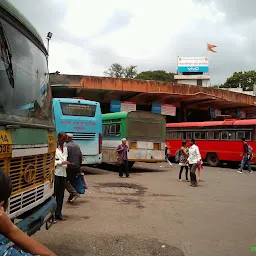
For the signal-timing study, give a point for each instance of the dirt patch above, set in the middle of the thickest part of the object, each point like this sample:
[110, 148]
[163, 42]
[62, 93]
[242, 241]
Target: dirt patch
[122, 188]
[133, 201]
[164, 195]
[75, 217]
[107, 245]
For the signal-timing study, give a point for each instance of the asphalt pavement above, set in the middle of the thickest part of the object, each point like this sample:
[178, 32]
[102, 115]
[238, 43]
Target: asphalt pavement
[151, 213]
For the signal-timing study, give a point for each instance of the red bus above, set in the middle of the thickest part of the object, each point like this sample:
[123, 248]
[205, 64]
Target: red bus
[218, 141]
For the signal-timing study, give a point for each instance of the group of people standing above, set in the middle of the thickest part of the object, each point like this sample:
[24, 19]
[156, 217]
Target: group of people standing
[190, 158]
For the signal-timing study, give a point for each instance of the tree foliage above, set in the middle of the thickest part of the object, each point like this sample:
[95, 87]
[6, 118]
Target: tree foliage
[244, 80]
[157, 75]
[116, 70]
[130, 72]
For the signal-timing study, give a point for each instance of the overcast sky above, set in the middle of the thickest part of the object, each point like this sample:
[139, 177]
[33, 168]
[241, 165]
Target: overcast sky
[88, 36]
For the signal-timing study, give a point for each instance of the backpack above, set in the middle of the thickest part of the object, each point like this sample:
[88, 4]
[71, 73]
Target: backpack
[250, 154]
[177, 156]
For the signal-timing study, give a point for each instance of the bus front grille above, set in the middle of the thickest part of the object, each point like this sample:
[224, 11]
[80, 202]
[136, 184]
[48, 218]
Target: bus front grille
[83, 136]
[22, 200]
[29, 171]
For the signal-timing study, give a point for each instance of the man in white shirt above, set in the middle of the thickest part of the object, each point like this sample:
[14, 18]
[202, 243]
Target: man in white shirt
[194, 159]
[60, 173]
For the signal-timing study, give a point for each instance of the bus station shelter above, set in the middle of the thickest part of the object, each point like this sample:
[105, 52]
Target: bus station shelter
[192, 103]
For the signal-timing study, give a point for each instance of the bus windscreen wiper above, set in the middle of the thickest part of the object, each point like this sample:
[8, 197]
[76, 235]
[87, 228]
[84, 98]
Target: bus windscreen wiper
[6, 55]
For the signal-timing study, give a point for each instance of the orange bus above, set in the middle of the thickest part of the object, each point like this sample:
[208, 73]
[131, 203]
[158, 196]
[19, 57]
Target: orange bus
[218, 141]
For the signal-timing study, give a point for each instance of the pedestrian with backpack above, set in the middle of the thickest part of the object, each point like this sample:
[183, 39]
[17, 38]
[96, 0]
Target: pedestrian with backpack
[247, 157]
[183, 160]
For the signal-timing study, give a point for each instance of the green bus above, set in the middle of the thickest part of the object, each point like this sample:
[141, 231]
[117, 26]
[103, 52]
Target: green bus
[27, 133]
[145, 133]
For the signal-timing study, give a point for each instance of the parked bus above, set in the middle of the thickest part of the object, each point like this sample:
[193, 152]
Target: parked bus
[27, 134]
[83, 119]
[144, 131]
[218, 141]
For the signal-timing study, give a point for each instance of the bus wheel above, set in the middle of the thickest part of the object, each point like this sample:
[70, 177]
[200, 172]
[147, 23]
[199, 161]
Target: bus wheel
[130, 164]
[213, 159]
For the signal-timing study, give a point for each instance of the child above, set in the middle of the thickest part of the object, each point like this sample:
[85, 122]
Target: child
[12, 232]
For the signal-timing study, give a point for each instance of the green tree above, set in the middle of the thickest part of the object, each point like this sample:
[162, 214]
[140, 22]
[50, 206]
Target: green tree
[244, 80]
[156, 75]
[116, 70]
[130, 72]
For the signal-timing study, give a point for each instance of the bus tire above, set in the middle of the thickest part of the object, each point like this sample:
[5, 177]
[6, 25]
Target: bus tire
[130, 164]
[213, 159]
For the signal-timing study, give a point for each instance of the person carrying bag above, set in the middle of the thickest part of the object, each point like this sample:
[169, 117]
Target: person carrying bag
[122, 159]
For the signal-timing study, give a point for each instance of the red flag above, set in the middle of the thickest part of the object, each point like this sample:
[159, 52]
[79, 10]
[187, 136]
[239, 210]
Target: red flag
[210, 47]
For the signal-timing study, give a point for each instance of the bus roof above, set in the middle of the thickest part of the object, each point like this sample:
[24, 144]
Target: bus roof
[212, 123]
[70, 100]
[8, 7]
[118, 115]
[134, 114]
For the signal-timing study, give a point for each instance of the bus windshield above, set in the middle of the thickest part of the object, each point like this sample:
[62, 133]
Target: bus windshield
[25, 95]
[73, 109]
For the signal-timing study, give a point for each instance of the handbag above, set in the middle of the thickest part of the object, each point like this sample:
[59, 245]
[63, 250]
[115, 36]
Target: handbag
[80, 184]
[119, 161]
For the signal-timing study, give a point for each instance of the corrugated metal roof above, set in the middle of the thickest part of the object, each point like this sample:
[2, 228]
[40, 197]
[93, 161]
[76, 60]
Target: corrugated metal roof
[146, 92]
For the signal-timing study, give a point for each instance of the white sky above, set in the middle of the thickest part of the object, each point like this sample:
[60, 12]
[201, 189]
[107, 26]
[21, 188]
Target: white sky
[88, 36]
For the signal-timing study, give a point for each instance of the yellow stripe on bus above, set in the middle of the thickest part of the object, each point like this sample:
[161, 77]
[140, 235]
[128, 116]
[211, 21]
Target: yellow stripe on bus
[5, 144]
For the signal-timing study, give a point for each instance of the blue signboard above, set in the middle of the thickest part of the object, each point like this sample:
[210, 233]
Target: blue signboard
[203, 69]
[115, 106]
[156, 108]
[193, 64]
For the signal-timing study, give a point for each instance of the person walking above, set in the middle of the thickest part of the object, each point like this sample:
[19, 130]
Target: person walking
[167, 156]
[122, 151]
[60, 173]
[247, 156]
[75, 159]
[183, 163]
[194, 159]
[11, 231]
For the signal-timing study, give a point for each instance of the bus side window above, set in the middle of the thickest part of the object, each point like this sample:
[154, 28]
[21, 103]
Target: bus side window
[224, 135]
[216, 135]
[112, 130]
[173, 135]
[180, 135]
[248, 136]
[210, 135]
[118, 130]
[197, 135]
[105, 130]
[203, 135]
[188, 135]
[231, 135]
[240, 135]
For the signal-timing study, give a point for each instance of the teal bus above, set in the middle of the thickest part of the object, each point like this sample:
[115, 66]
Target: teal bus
[27, 133]
[83, 119]
[145, 133]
